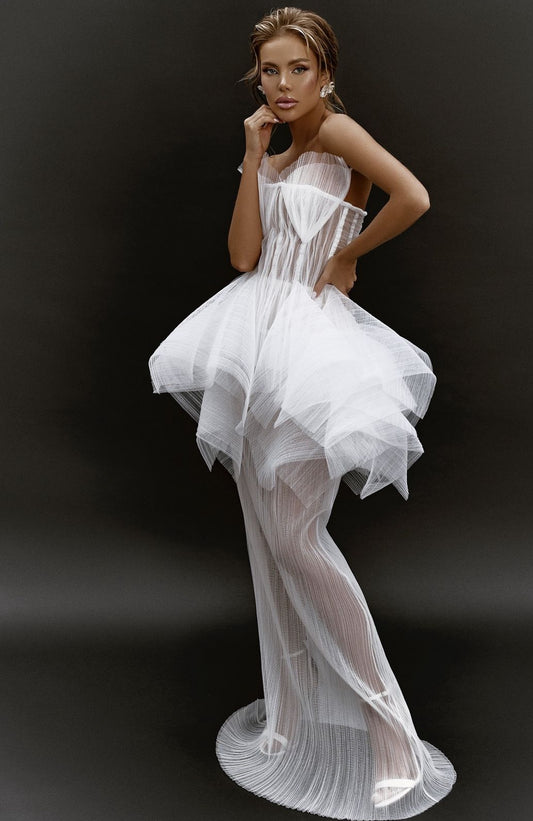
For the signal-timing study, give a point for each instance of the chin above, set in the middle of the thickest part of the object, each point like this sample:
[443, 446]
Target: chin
[290, 113]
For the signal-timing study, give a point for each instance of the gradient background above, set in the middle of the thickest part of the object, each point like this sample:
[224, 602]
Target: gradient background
[128, 629]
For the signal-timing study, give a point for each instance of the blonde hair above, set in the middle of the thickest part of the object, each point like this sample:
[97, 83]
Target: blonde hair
[316, 33]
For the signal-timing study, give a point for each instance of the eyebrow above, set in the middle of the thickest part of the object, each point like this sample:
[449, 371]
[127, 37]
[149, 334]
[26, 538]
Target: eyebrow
[297, 60]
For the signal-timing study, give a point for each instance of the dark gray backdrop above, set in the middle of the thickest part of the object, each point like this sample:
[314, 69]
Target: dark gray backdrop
[128, 624]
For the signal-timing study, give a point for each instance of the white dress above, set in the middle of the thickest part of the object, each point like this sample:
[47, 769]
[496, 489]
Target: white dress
[292, 395]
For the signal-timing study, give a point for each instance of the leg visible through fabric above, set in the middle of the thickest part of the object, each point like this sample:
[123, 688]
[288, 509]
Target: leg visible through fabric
[333, 734]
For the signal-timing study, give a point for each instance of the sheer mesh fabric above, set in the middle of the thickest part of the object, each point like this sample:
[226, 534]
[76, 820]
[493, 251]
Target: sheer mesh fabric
[292, 395]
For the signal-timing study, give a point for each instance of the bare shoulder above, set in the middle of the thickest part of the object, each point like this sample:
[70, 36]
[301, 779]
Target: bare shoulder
[340, 134]
[333, 121]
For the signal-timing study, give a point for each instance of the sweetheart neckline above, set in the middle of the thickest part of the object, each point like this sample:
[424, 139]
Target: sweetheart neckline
[281, 179]
[298, 158]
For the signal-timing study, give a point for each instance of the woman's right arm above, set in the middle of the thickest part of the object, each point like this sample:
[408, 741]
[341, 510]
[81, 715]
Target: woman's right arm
[245, 231]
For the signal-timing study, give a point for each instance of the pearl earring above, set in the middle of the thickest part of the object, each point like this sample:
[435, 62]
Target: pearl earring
[261, 89]
[327, 89]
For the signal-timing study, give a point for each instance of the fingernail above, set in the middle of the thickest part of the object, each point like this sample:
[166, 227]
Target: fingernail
[314, 295]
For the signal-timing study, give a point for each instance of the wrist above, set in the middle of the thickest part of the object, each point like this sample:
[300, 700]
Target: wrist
[252, 162]
[348, 254]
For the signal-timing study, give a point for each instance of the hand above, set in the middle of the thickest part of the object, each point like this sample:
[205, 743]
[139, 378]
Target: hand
[339, 273]
[258, 128]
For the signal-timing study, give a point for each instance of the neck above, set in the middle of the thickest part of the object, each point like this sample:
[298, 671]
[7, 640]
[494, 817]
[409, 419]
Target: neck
[305, 129]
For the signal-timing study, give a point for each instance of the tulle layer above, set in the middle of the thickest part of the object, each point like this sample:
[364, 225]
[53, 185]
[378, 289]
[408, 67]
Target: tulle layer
[301, 379]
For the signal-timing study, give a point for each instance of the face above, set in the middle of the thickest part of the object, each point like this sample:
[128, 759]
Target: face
[290, 69]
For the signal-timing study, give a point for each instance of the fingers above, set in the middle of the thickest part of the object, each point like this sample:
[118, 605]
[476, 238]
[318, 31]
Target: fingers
[317, 290]
[350, 285]
[264, 116]
[265, 110]
[341, 276]
[258, 129]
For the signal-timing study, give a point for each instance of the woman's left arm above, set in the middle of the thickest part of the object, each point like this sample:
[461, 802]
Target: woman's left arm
[408, 199]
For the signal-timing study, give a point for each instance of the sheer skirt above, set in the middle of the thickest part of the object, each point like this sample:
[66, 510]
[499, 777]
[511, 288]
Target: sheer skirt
[333, 734]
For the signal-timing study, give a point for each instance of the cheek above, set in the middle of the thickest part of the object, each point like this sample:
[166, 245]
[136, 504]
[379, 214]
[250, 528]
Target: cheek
[308, 82]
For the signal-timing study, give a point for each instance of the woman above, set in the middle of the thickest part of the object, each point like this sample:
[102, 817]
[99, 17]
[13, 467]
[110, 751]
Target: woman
[295, 387]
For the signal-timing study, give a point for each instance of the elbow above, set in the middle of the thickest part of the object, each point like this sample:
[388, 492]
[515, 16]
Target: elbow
[242, 265]
[415, 201]
[239, 265]
[242, 262]
[420, 200]
[236, 261]
[424, 202]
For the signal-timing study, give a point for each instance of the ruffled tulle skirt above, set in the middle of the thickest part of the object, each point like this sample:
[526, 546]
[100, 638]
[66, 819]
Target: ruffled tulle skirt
[300, 378]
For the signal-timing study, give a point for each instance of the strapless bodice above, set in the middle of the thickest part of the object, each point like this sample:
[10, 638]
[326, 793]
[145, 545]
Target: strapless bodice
[304, 215]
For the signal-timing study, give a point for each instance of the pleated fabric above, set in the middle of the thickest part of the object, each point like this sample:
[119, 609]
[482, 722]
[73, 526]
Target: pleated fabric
[293, 395]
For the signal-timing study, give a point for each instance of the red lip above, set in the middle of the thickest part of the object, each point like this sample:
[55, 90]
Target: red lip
[286, 100]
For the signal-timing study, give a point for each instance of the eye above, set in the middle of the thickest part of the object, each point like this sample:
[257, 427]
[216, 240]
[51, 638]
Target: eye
[269, 69]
